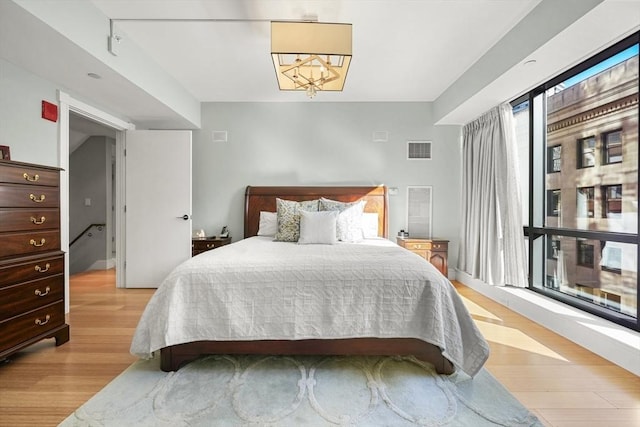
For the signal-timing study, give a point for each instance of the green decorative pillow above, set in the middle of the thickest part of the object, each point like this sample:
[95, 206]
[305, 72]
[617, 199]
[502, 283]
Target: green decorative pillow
[288, 214]
[349, 224]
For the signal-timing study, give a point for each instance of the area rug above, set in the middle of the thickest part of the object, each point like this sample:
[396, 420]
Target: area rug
[300, 391]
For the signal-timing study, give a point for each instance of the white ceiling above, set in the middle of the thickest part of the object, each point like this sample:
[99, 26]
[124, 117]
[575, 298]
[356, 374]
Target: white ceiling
[402, 50]
[464, 55]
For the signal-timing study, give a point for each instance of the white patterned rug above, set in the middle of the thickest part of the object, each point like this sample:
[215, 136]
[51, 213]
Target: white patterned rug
[300, 391]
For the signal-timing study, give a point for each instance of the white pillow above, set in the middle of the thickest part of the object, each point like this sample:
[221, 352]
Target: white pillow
[369, 225]
[268, 224]
[349, 227]
[318, 227]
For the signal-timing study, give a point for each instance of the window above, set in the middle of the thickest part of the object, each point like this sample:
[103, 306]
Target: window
[552, 282]
[553, 202]
[553, 248]
[584, 292]
[554, 155]
[582, 236]
[585, 254]
[611, 257]
[612, 147]
[584, 202]
[587, 152]
[612, 201]
[610, 300]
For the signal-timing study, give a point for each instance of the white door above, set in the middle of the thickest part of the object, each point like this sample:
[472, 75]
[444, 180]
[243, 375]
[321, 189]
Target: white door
[157, 205]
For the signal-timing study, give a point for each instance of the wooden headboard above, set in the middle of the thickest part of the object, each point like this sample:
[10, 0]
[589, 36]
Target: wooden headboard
[258, 199]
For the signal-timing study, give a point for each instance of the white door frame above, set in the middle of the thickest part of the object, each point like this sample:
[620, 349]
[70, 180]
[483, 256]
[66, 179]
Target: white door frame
[66, 104]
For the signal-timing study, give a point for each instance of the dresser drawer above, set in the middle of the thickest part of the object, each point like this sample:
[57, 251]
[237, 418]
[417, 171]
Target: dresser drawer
[203, 244]
[18, 299]
[25, 243]
[415, 246]
[21, 328]
[24, 196]
[31, 270]
[29, 219]
[425, 245]
[25, 174]
[206, 245]
[439, 246]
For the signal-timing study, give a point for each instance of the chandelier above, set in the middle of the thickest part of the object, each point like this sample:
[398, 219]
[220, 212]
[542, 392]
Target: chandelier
[311, 56]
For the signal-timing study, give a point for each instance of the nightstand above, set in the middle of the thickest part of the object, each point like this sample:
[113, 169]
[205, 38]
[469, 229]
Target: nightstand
[203, 244]
[433, 250]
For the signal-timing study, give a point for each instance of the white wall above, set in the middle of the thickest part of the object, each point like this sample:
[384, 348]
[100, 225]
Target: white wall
[30, 137]
[311, 143]
[82, 23]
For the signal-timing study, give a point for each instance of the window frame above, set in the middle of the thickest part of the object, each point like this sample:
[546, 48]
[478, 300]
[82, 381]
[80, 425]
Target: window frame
[606, 148]
[591, 193]
[606, 201]
[581, 245]
[552, 201]
[554, 247]
[581, 152]
[607, 268]
[552, 159]
[537, 228]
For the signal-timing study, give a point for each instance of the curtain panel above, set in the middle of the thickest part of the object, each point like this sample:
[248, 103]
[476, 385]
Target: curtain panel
[492, 240]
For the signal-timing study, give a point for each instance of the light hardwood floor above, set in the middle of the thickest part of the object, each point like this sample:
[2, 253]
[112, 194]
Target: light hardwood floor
[564, 384]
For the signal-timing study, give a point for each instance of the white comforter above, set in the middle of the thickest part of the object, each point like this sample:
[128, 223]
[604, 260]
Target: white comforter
[259, 289]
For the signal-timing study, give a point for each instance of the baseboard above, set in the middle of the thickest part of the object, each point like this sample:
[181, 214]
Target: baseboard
[613, 342]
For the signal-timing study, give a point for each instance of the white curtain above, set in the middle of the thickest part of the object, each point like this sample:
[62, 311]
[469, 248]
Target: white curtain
[492, 240]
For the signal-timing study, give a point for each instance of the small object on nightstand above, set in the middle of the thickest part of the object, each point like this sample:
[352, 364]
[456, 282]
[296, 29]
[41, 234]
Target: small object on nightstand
[5, 153]
[433, 250]
[203, 244]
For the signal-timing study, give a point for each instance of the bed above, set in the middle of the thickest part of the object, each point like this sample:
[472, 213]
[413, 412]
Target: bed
[260, 296]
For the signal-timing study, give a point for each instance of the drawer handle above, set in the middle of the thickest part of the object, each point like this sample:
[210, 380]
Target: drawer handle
[36, 199]
[38, 221]
[41, 323]
[40, 270]
[36, 244]
[418, 246]
[39, 293]
[30, 179]
[211, 245]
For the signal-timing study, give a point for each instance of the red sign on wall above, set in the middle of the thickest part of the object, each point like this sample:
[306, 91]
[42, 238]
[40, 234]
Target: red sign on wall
[49, 111]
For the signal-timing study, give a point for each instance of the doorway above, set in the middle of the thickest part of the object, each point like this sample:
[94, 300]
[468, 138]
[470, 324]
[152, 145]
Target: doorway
[91, 195]
[69, 105]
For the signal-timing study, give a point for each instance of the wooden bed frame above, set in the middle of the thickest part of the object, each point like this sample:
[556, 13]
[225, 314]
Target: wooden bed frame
[264, 199]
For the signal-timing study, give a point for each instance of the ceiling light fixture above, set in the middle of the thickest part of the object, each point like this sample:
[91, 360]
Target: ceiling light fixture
[311, 56]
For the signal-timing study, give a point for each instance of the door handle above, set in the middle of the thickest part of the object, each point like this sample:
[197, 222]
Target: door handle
[185, 217]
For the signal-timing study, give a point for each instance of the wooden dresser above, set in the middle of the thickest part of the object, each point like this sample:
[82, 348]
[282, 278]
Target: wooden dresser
[433, 250]
[203, 244]
[31, 262]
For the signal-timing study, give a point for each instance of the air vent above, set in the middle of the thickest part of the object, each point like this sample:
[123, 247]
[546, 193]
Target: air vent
[419, 209]
[219, 136]
[419, 150]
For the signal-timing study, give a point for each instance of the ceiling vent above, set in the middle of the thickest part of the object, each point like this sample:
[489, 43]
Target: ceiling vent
[419, 150]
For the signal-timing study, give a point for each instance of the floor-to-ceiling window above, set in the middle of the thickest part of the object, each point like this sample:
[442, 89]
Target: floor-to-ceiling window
[578, 134]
